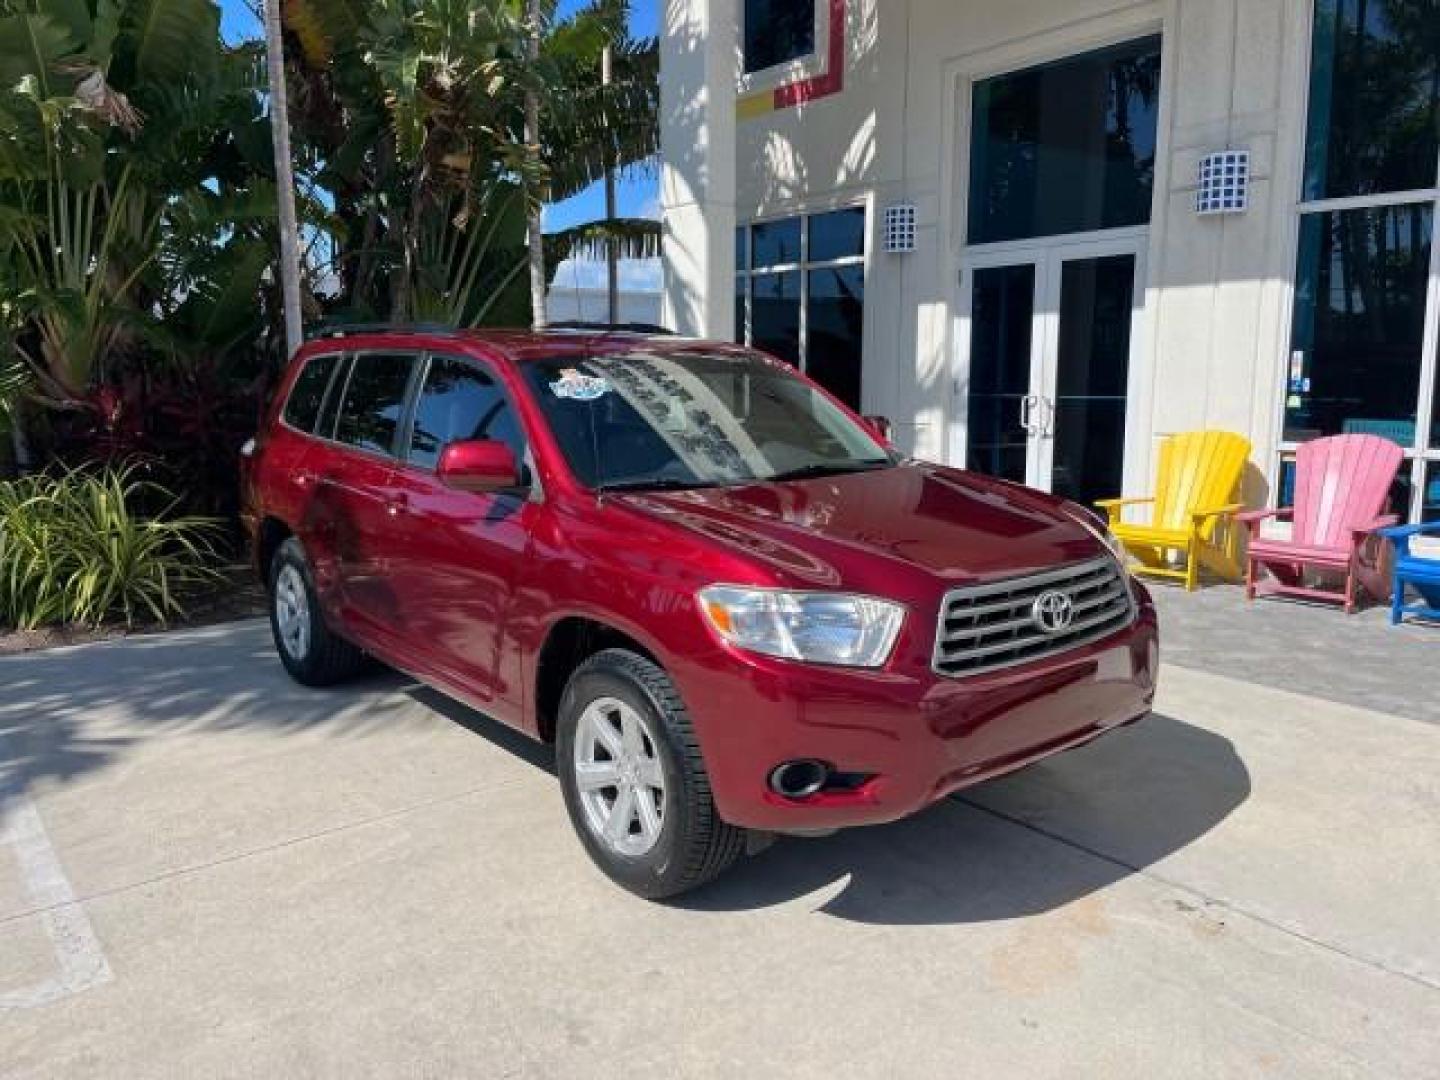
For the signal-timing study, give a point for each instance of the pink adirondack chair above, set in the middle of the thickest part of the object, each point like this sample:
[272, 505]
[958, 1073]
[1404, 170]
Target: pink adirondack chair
[1341, 486]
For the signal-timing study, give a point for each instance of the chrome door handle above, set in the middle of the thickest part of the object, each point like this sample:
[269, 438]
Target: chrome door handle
[396, 506]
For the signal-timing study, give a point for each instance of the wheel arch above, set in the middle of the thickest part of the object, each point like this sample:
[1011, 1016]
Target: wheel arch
[268, 537]
[570, 641]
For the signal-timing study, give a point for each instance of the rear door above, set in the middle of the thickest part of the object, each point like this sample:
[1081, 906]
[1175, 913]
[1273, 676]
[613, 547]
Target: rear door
[456, 553]
[351, 526]
[282, 482]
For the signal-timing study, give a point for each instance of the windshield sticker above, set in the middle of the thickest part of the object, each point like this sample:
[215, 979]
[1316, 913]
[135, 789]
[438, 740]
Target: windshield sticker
[573, 386]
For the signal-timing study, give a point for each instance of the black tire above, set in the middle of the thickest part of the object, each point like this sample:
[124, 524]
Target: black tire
[325, 658]
[694, 844]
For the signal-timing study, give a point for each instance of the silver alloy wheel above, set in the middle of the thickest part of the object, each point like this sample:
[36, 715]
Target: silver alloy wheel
[620, 778]
[292, 612]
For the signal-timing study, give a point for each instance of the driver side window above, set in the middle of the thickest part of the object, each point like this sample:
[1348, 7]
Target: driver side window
[461, 402]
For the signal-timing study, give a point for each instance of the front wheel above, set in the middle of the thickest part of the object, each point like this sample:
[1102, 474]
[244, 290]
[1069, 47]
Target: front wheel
[634, 781]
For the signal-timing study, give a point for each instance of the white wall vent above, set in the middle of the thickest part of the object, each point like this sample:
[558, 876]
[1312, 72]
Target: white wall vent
[899, 238]
[1224, 183]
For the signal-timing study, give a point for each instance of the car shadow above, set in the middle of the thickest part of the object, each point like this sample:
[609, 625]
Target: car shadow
[1026, 844]
[502, 736]
[1029, 843]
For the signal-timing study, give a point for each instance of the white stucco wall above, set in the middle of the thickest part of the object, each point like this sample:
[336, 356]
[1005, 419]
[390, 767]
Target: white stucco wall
[697, 173]
[1217, 290]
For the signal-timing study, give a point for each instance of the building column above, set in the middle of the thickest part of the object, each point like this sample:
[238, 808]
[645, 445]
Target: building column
[699, 65]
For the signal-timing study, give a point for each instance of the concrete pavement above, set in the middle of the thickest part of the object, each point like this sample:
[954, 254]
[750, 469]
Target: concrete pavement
[376, 882]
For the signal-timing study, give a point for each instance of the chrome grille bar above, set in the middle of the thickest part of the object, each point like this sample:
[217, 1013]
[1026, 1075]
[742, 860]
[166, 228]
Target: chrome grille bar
[989, 627]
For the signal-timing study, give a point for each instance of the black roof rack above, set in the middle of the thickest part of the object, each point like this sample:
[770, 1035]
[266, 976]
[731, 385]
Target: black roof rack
[339, 330]
[582, 326]
[336, 330]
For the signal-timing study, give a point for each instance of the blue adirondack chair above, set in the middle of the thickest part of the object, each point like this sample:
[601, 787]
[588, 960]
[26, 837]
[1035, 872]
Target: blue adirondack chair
[1423, 575]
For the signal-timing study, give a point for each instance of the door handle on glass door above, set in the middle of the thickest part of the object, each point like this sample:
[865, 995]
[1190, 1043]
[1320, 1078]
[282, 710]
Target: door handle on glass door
[1047, 418]
[1027, 413]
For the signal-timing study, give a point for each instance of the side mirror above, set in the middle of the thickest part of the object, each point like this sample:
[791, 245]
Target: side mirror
[478, 466]
[882, 427]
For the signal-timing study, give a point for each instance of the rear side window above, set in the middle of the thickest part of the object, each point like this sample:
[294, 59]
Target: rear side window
[308, 394]
[374, 405]
[326, 427]
[461, 402]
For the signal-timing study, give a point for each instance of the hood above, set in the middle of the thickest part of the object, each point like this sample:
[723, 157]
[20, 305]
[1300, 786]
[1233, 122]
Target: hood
[861, 528]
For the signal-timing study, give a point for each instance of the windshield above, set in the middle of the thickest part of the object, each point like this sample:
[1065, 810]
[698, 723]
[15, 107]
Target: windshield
[694, 420]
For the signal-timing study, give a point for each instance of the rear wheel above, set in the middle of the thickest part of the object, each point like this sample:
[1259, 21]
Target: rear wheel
[310, 651]
[634, 781]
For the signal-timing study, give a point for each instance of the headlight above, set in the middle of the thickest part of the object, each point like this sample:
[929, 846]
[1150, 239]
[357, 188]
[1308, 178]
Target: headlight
[819, 628]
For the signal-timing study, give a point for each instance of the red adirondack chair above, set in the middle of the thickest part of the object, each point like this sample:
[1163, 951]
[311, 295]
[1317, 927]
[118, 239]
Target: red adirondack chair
[1341, 487]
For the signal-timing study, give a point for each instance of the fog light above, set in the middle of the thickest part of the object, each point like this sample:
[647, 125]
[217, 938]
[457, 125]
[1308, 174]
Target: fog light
[799, 779]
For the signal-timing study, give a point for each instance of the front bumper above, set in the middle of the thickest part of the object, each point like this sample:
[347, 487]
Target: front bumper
[917, 738]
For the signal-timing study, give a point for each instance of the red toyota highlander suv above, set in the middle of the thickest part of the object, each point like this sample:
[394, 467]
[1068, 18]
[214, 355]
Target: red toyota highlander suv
[734, 610]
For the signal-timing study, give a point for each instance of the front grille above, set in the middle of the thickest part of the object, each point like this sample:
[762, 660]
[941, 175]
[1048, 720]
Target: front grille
[989, 627]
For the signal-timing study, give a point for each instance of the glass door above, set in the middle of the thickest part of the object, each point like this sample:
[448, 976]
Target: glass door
[1003, 381]
[1048, 338]
[1087, 379]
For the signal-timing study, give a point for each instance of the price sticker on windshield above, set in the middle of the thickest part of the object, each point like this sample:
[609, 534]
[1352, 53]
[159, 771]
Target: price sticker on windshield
[573, 385]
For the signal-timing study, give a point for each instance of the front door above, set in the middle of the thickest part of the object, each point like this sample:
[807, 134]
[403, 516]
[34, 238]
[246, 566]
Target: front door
[1047, 340]
[457, 553]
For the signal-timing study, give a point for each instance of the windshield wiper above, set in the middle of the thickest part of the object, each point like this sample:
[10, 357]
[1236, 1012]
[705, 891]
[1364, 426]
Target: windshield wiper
[665, 484]
[834, 468]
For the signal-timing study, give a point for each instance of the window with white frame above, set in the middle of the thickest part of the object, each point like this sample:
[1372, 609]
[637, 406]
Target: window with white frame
[777, 32]
[800, 294]
[1364, 337]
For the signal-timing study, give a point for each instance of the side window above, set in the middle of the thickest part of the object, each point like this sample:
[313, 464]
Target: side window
[374, 405]
[777, 31]
[461, 402]
[308, 394]
[326, 427]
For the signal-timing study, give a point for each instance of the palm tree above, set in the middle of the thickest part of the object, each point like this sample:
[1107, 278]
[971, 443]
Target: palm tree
[602, 118]
[534, 28]
[284, 176]
[125, 178]
[408, 115]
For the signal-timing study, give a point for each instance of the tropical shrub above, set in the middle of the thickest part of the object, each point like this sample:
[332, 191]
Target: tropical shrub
[140, 314]
[184, 422]
[135, 207]
[85, 547]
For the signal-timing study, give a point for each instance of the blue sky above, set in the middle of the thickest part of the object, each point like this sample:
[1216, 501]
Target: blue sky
[638, 194]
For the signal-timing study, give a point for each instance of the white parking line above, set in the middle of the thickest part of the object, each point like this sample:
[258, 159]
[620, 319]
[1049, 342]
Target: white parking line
[81, 963]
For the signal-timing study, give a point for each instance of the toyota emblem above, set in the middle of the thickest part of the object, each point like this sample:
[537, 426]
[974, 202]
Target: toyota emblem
[1053, 612]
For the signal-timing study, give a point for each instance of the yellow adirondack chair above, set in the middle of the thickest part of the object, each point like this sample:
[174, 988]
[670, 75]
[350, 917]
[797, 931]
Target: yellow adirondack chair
[1194, 509]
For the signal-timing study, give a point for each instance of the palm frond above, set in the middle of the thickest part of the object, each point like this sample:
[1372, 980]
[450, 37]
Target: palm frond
[157, 40]
[634, 238]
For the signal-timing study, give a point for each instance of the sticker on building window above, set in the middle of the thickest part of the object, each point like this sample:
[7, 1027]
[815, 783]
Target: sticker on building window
[575, 386]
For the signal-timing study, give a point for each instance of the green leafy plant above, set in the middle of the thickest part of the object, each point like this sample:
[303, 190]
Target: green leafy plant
[84, 547]
[134, 206]
[432, 176]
